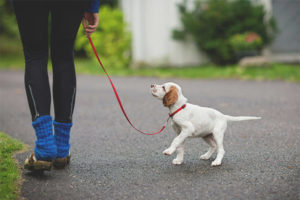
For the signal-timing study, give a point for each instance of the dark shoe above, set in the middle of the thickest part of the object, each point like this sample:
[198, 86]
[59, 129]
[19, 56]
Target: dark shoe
[61, 163]
[33, 164]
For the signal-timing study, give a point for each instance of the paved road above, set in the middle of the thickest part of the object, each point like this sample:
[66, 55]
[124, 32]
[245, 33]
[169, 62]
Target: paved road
[111, 161]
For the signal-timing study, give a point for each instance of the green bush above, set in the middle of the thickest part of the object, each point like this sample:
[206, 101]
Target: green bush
[246, 42]
[212, 23]
[111, 3]
[112, 39]
[8, 26]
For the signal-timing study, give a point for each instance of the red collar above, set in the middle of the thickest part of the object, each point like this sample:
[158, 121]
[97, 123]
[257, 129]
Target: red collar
[176, 111]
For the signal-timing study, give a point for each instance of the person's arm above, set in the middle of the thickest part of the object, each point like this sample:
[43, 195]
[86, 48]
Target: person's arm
[94, 6]
[91, 16]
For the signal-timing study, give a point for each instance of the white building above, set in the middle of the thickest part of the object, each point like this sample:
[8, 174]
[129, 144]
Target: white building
[152, 21]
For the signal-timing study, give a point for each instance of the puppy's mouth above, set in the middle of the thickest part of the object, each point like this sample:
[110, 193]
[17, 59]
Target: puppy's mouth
[153, 91]
[154, 95]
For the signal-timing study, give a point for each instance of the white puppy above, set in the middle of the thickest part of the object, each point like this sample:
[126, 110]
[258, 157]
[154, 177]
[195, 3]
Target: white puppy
[190, 120]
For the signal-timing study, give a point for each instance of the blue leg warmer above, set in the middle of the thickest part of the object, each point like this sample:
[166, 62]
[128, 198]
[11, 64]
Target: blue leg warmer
[45, 147]
[62, 138]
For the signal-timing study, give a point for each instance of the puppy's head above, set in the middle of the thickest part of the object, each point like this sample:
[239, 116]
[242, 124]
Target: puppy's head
[169, 93]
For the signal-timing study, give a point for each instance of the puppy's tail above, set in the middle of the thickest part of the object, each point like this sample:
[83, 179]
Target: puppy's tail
[240, 118]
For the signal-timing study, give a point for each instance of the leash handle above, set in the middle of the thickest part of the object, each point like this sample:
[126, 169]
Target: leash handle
[117, 95]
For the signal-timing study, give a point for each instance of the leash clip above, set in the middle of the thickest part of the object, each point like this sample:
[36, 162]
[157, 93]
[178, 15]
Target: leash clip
[166, 123]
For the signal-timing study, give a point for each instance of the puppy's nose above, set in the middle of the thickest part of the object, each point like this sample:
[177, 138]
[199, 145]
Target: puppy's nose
[152, 86]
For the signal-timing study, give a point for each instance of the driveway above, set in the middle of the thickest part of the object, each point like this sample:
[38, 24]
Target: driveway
[112, 161]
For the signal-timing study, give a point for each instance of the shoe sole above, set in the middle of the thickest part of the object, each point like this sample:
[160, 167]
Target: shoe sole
[38, 166]
[61, 162]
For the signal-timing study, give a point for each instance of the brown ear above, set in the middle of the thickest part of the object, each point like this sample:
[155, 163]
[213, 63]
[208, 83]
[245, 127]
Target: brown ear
[171, 96]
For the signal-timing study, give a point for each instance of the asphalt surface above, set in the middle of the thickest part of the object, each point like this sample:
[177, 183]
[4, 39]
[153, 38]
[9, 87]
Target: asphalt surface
[112, 161]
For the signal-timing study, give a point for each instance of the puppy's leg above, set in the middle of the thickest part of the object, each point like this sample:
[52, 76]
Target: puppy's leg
[180, 153]
[176, 143]
[218, 136]
[212, 147]
[180, 149]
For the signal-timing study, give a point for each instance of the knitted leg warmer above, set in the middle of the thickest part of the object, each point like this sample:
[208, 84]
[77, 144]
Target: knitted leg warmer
[62, 138]
[45, 147]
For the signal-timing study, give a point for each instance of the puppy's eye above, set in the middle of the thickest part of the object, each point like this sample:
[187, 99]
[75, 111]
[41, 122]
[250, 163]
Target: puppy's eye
[164, 88]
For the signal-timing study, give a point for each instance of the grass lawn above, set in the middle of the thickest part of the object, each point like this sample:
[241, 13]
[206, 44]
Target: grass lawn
[272, 72]
[10, 46]
[9, 172]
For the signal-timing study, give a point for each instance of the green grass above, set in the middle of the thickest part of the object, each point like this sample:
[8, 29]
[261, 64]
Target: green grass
[9, 172]
[272, 72]
[11, 62]
[10, 46]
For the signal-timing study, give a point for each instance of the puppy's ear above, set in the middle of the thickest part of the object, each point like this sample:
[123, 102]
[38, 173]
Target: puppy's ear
[171, 96]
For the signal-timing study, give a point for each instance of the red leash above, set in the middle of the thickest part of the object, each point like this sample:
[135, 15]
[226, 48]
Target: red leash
[117, 96]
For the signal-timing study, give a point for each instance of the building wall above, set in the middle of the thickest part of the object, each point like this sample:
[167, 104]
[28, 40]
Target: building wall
[286, 46]
[287, 15]
[151, 23]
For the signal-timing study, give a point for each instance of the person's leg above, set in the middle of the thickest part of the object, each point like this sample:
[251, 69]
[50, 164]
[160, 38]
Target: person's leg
[66, 18]
[32, 18]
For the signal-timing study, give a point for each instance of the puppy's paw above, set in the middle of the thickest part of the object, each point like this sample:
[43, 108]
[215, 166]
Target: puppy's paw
[216, 163]
[169, 151]
[204, 157]
[177, 161]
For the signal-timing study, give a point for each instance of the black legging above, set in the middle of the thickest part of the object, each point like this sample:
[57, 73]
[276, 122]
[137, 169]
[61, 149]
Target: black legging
[32, 18]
